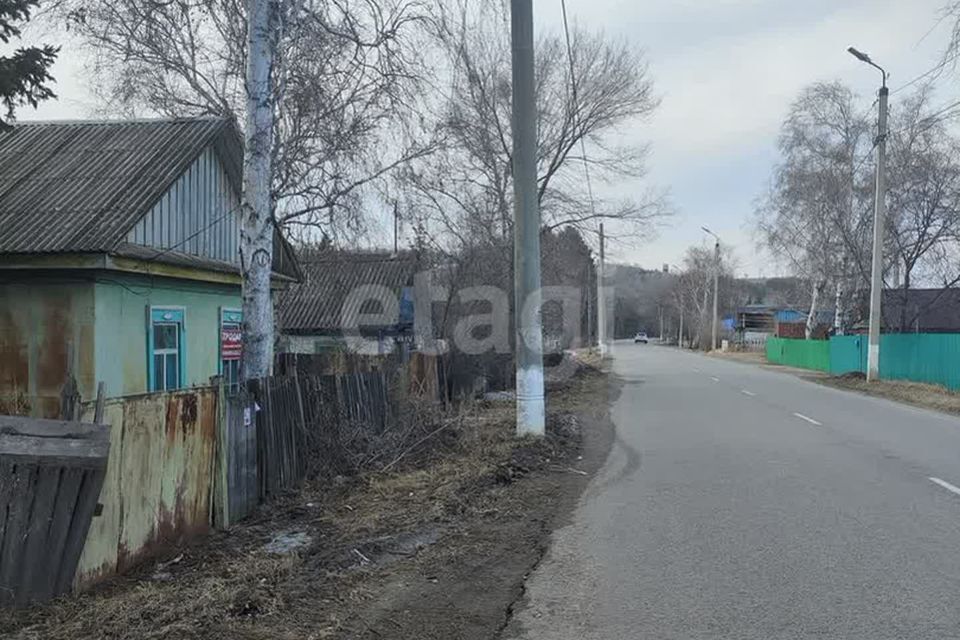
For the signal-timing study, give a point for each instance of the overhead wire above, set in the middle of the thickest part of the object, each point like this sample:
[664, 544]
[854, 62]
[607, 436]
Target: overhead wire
[576, 108]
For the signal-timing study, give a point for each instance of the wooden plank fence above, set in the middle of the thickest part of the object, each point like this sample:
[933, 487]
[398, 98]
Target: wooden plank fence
[51, 473]
[237, 490]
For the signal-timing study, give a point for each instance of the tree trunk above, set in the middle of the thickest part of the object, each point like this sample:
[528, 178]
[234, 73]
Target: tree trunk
[818, 287]
[905, 294]
[256, 223]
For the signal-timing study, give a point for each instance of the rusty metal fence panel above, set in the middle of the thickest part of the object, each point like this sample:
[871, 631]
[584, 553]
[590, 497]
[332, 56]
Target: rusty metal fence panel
[51, 474]
[159, 484]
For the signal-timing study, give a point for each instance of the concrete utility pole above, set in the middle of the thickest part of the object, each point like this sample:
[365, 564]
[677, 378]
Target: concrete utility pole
[601, 302]
[716, 285]
[879, 217]
[531, 418]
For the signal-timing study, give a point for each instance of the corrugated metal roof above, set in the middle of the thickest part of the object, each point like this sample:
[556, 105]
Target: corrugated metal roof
[81, 186]
[316, 305]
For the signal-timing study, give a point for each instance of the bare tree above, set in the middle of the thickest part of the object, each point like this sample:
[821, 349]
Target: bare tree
[346, 73]
[817, 215]
[697, 289]
[924, 194]
[816, 212]
[465, 189]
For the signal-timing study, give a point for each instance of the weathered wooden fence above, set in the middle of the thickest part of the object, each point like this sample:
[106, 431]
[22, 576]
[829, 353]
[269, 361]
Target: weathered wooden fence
[237, 487]
[51, 473]
[180, 463]
[290, 412]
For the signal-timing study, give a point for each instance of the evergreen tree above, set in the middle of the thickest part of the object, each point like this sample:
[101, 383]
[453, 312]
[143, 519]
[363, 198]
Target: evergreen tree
[25, 75]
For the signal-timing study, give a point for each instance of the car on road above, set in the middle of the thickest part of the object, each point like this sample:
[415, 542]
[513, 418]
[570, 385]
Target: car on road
[641, 337]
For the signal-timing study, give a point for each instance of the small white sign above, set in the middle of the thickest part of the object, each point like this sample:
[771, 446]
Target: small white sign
[246, 417]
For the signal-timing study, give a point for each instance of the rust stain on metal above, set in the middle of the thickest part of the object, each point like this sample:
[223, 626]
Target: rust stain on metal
[14, 363]
[52, 360]
[167, 485]
[188, 410]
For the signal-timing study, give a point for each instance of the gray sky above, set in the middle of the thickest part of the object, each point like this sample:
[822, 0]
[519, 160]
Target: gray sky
[727, 71]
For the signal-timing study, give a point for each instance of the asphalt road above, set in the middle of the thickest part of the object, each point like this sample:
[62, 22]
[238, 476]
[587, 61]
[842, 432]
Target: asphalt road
[743, 503]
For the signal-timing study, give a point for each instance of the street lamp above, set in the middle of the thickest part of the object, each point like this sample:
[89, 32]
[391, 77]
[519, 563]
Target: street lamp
[879, 217]
[716, 283]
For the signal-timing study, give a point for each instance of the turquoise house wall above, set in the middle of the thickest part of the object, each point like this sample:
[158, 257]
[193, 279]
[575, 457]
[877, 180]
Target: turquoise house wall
[122, 302]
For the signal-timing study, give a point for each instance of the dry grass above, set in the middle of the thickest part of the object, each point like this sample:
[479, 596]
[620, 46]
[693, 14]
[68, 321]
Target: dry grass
[227, 586]
[751, 357]
[928, 396]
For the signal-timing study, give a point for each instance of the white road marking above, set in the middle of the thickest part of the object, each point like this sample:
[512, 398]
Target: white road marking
[945, 485]
[808, 419]
[695, 370]
[747, 393]
[715, 379]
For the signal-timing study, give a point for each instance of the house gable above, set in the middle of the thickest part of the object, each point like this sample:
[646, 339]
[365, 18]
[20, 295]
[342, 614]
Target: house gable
[197, 215]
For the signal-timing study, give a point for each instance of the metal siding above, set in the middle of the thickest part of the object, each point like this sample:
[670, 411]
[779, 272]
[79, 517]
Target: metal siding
[803, 354]
[190, 215]
[921, 357]
[83, 186]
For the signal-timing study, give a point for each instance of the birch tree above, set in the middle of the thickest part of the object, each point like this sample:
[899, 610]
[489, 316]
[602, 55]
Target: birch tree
[817, 210]
[256, 218]
[349, 73]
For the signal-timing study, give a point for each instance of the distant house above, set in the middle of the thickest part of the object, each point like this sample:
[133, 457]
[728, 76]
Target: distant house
[921, 310]
[758, 320]
[331, 309]
[119, 256]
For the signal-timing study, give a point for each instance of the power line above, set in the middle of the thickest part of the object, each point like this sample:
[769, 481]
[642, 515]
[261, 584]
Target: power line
[576, 107]
[935, 70]
[182, 242]
[866, 156]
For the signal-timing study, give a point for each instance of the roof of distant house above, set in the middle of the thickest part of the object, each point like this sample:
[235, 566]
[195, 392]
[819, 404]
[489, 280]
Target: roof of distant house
[82, 186]
[321, 303]
[927, 310]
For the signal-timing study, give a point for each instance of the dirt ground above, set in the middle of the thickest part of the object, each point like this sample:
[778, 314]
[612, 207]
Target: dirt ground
[437, 549]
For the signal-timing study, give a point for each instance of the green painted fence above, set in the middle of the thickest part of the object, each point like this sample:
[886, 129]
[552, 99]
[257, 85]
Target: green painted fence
[921, 357]
[847, 354]
[933, 358]
[804, 354]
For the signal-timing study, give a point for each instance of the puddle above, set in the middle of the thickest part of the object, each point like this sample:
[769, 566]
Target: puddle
[288, 542]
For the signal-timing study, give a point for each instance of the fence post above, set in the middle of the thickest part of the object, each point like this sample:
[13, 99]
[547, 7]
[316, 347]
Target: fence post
[298, 442]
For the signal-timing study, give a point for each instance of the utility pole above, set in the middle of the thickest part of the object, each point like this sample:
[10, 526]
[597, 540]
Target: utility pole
[716, 286]
[601, 302]
[879, 217]
[531, 418]
[396, 229]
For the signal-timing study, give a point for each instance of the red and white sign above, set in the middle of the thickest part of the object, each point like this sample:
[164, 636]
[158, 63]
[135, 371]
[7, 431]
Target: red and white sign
[231, 343]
